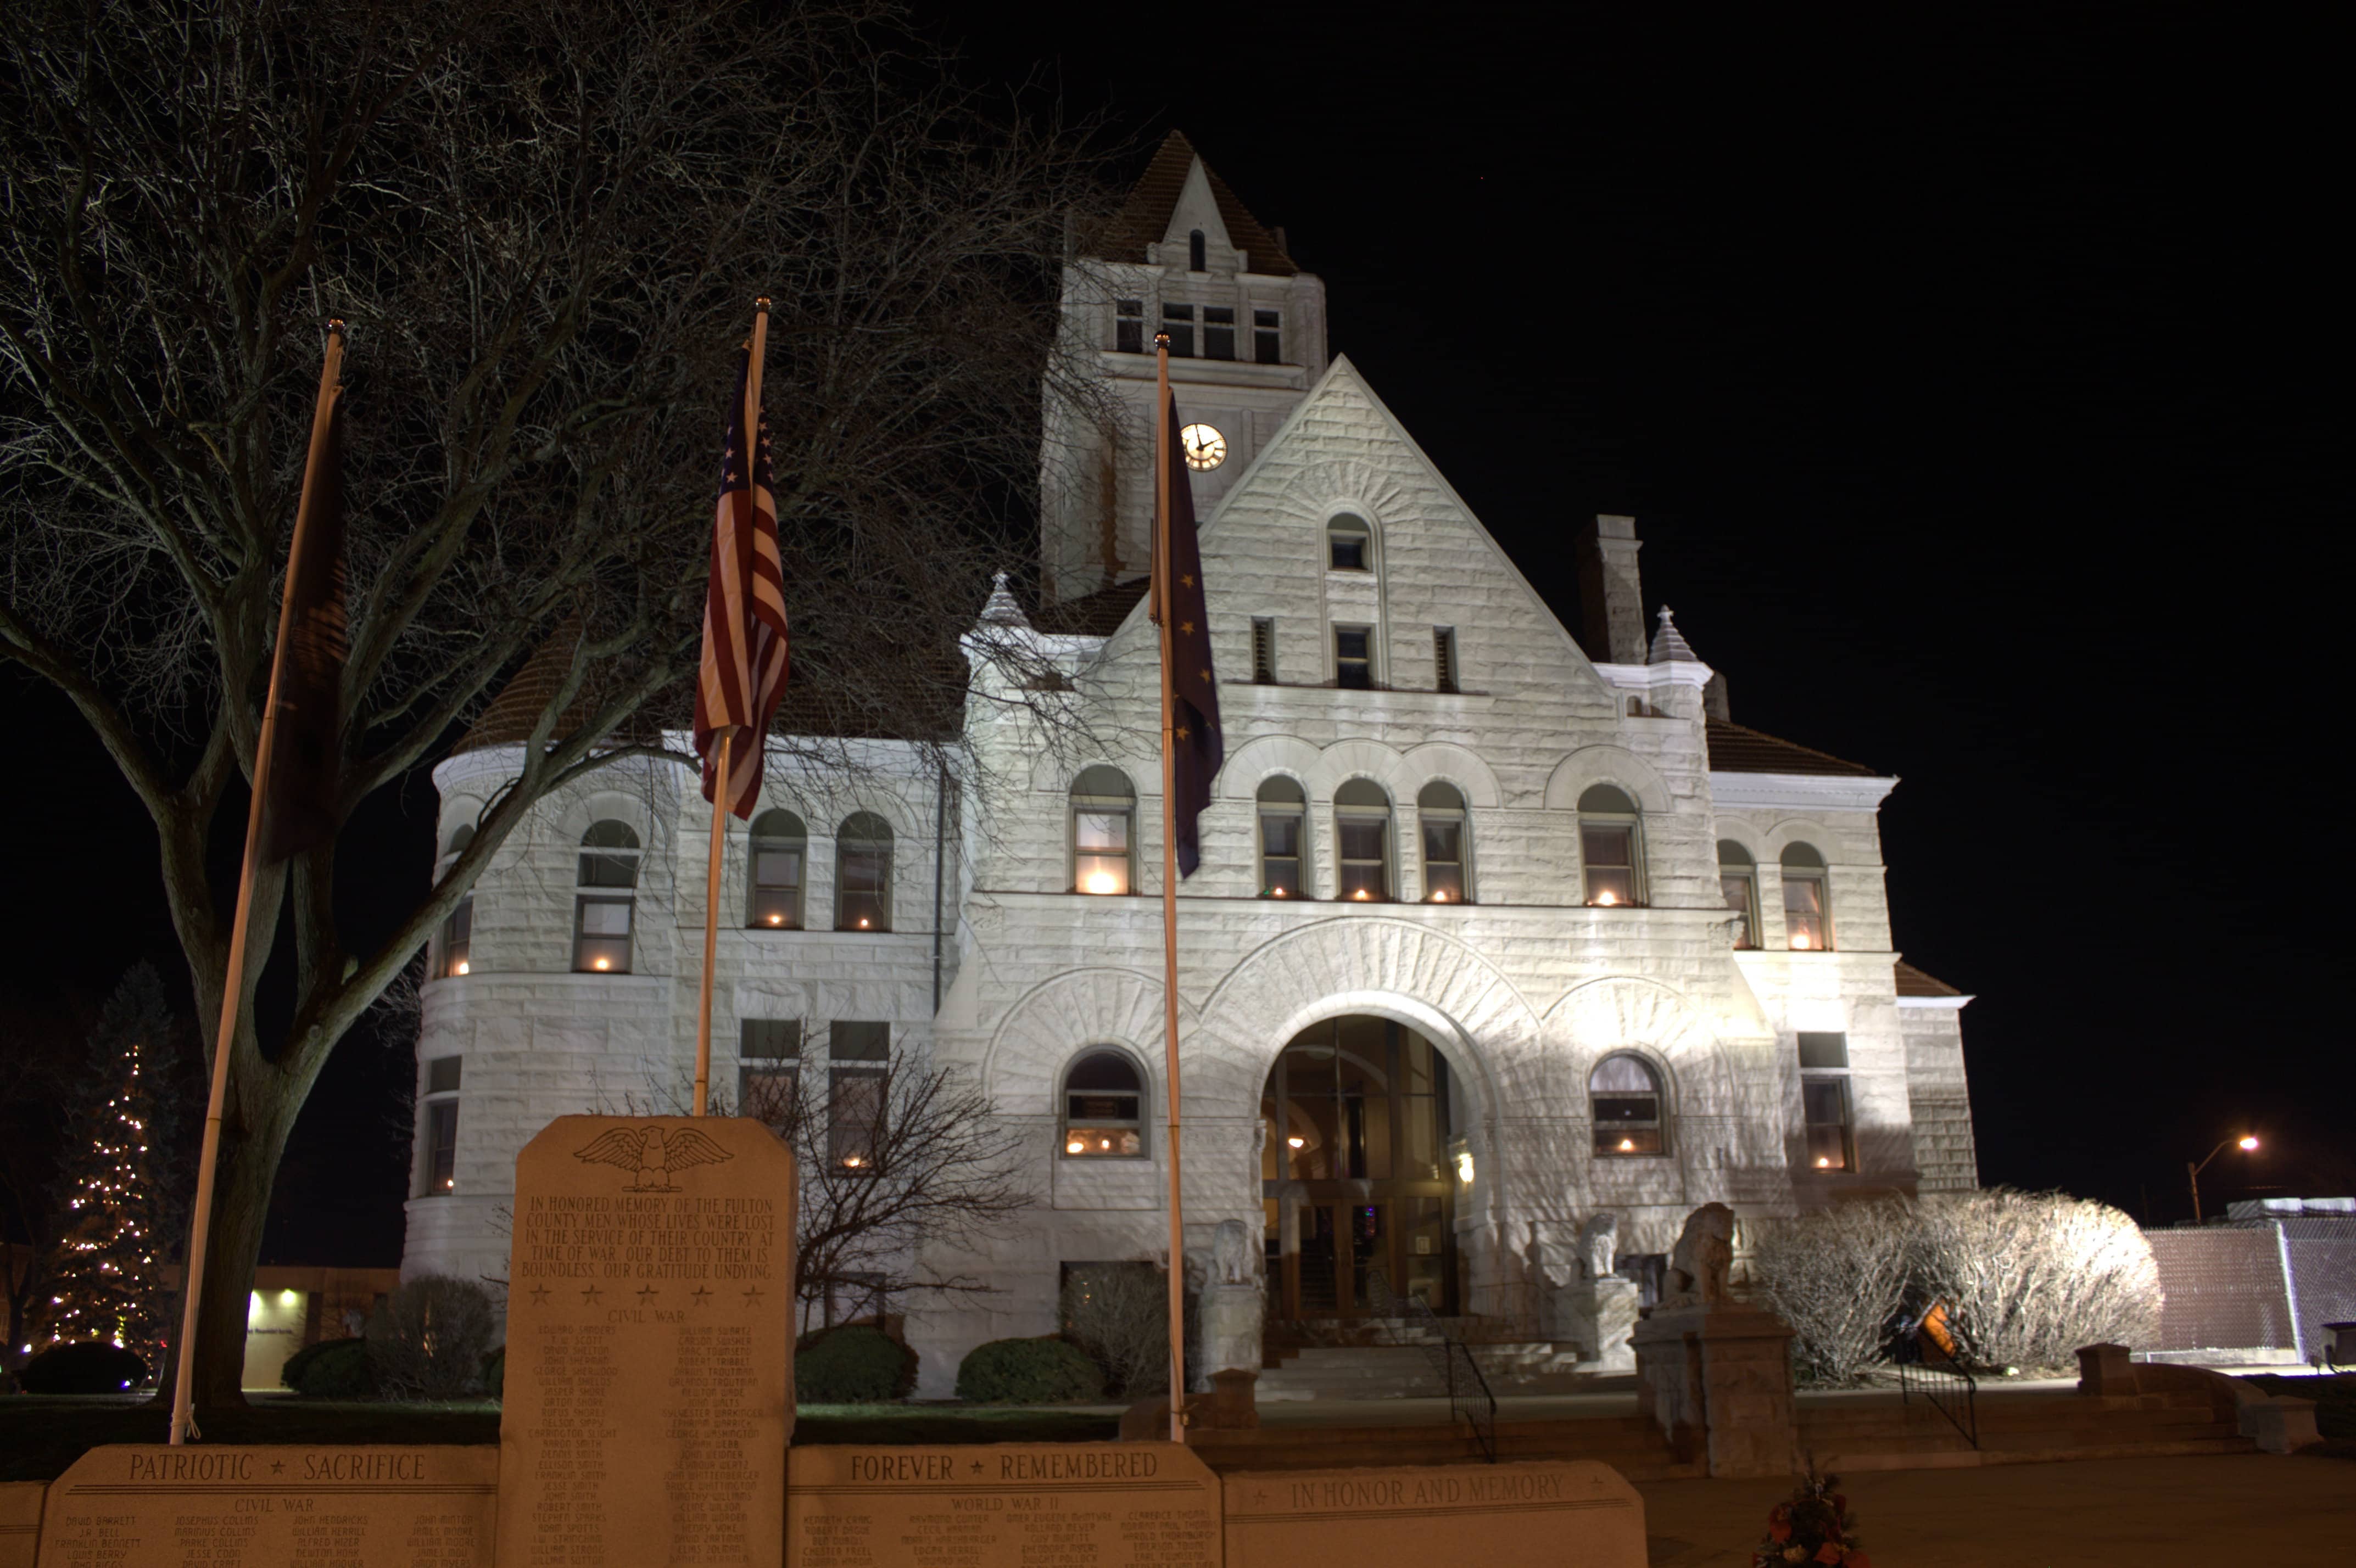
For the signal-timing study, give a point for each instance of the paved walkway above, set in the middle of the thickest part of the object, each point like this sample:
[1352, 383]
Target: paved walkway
[2292, 1511]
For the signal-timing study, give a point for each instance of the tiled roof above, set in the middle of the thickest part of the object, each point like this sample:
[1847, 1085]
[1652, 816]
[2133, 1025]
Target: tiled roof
[509, 719]
[1912, 981]
[1739, 749]
[1098, 614]
[1144, 217]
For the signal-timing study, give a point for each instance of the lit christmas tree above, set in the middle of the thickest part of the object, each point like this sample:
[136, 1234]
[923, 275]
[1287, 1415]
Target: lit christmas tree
[119, 1179]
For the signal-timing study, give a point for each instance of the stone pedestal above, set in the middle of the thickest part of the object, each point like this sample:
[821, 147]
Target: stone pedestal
[1230, 1324]
[1718, 1380]
[2106, 1369]
[1598, 1316]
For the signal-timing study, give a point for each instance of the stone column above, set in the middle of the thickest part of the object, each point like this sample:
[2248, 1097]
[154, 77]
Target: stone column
[1598, 1316]
[1718, 1380]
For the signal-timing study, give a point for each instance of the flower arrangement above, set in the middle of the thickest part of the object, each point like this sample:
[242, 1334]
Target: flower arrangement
[1815, 1526]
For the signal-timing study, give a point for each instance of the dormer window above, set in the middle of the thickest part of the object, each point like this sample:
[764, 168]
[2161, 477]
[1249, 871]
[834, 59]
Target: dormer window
[1178, 321]
[1349, 544]
[1268, 336]
[1218, 332]
[1129, 327]
[1197, 262]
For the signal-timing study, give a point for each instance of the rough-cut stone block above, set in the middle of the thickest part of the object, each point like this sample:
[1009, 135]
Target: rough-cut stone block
[20, 1521]
[1718, 1381]
[2106, 1369]
[208, 1505]
[1564, 1513]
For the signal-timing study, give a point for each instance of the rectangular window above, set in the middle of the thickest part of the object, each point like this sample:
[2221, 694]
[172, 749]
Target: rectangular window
[1443, 859]
[1100, 849]
[440, 1146]
[1824, 1102]
[1804, 912]
[1268, 336]
[777, 886]
[457, 939]
[1279, 852]
[1354, 660]
[769, 1052]
[1218, 332]
[442, 1074]
[867, 1042]
[601, 934]
[1443, 658]
[1366, 866]
[1610, 853]
[1823, 1050]
[1129, 327]
[863, 901]
[1178, 321]
[610, 868]
[1735, 888]
[1263, 651]
[1345, 550]
[858, 1055]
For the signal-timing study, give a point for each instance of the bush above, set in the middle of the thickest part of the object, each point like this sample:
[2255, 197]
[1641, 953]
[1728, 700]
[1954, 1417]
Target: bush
[1838, 1277]
[430, 1340]
[852, 1365]
[1119, 1315]
[332, 1369]
[1028, 1372]
[2030, 1277]
[494, 1374]
[82, 1369]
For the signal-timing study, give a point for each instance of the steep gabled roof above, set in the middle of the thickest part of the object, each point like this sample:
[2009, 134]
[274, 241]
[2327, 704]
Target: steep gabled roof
[1739, 749]
[1098, 614]
[1912, 981]
[1144, 217]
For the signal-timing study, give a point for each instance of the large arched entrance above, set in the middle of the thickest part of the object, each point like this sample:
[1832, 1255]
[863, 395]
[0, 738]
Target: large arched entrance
[1357, 1171]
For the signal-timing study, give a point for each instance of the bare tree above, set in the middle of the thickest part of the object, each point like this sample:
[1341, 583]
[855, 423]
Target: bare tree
[545, 224]
[2029, 1277]
[1839, 1277]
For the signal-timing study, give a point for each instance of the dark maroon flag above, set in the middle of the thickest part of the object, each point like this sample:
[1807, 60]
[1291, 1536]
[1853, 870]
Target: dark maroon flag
[1197, 746]
[303, 806]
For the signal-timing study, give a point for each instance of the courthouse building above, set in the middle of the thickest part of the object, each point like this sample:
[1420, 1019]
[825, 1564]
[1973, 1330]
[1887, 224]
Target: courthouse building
[1498, 925]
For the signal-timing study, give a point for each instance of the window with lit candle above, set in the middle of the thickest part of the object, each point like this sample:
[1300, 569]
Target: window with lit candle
[1610, 838]
[858, 1086]
[1104, 1104]
[602, 908]
[1623, 1095]
[1104, 808]
[440, 1125]
[1807, 911]
[1825, 1100]
[458, 930]
[1440, 807]
[1738, 884]
[1362, 834]
[863, 873]
[1283, 808]
[779, 855]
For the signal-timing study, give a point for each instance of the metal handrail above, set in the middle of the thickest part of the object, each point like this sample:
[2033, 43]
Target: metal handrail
[1925, 1368]
[1469, 1399]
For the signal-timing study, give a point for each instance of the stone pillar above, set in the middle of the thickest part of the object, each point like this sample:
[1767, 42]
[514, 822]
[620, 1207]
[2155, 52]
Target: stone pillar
[1718, 1380]
[1611, 596]
[1230, 1327]
[2106, 1369]
[1598, 1316]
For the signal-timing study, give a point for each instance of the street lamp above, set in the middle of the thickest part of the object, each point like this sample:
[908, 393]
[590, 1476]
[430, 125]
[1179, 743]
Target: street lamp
[2246, 1143]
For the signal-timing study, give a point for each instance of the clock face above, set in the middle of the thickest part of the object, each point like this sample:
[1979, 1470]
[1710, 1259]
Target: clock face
[1206, 447]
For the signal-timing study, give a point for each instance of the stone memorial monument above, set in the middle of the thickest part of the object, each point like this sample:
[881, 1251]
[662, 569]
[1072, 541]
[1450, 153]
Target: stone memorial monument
[1061, 1505]
[20, 1521]
[1563, 1513]
[211, 1506]
[1233, 1305]
[650, 1359]
[1716, 1374]
[1597, 1311]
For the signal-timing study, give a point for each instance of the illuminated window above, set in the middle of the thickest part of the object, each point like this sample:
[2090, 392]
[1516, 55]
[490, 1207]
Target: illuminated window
[1195, 247]
[1608, 842]
[1362, 834]
[1807, 912]
[1218, 332]
[1623, 1093]
[1129, 327]
[1268, 336]
[859, 1058]
[779, 855]
[769, 1069]
[1178, 321]
[1283, 810]
[1104, 1104]
[863, 873]
[602, 908]
[440, 1107]
[1440, 808]
[458, 930]
[1349, 544]
[1825, 1101]
[1738, 884]
[1104, 810]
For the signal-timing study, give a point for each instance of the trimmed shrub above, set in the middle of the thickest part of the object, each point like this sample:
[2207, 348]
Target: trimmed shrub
[852, 1365]
[1028, 1372]
[1838, 1277]
[332, 1369]
[1120, 1314]
[82, 1369]
[2031, 1276]
[430, 1340]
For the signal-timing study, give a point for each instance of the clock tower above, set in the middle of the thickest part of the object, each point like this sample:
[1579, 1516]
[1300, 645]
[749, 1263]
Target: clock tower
[1246, 332]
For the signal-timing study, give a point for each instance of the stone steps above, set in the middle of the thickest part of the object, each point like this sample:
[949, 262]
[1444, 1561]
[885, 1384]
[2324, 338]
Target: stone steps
[1409, 1371]
[1629, 1446]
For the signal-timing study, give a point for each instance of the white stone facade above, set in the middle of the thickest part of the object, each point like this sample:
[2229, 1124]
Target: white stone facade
[1525, 988]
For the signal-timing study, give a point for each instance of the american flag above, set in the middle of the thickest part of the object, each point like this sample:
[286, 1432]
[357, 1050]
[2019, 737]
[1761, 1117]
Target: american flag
[743, 671]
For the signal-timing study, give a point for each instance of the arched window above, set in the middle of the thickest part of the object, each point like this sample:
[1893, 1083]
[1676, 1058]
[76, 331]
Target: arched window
[458, 930]
[1623, 1093]
[1738, 883]
[1104, 813]
[1807, 912]
[863, 873]
[1610, 847]
[779, 855]
[1283, 809]
[1362, 834]
[1349, 544]
[1447, 872]
[1196, 246]
[608, 893]
[1104, 1108]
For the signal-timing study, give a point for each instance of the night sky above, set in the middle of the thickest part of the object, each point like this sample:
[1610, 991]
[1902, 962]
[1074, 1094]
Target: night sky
[1976, 380]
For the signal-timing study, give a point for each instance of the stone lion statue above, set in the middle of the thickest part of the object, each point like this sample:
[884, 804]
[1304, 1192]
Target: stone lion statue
[1231, 1259]
[1597, 1240]
[1704, 1255]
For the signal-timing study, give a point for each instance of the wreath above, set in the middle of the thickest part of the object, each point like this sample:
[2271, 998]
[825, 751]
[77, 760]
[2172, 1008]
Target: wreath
[1815, 1526]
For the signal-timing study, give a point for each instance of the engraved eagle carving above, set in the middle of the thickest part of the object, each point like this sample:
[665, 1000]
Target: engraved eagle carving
[650, 1155]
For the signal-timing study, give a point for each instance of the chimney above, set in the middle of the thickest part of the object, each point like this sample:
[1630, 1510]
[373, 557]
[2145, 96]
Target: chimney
[1611, 599]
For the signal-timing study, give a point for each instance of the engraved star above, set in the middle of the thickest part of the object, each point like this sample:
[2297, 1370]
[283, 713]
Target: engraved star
[977, 1466]
[539, 1295]
[646, 1293]
[589, 1295]
[751, 1295]
[277, 1466]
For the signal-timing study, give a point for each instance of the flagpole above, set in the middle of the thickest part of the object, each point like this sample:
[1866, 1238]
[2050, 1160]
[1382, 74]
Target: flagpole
[233, 981]
[1168, 892]
[720, 792]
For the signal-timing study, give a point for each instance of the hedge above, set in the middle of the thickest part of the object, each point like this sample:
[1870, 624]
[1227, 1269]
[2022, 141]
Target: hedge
[852, 1365]
[1028, 1372]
